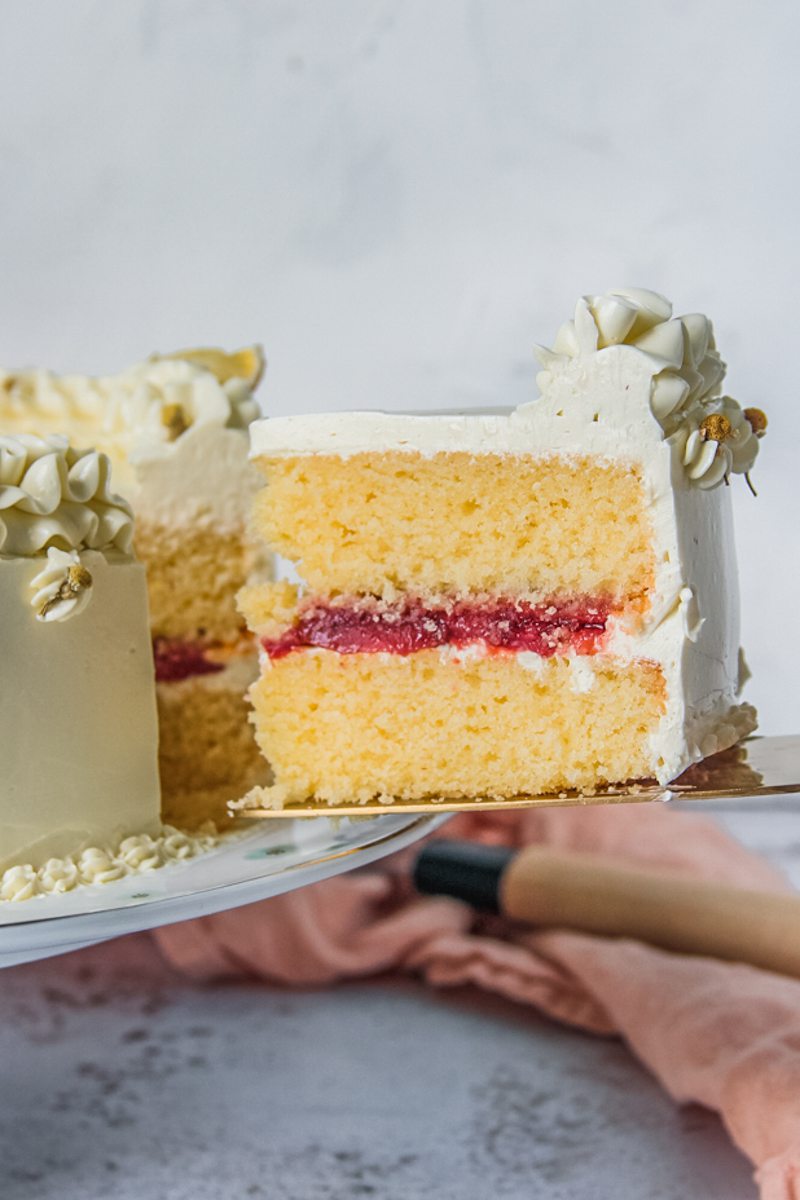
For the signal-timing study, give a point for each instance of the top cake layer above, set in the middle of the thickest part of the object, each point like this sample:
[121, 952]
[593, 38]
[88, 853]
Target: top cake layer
[576, 490]
[462, 524]
[546, 498]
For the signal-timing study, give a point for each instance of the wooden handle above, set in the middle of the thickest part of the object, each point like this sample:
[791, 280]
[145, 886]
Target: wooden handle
[579, 892]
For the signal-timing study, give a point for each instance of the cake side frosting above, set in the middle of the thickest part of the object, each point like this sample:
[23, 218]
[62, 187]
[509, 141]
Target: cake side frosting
[78, 731]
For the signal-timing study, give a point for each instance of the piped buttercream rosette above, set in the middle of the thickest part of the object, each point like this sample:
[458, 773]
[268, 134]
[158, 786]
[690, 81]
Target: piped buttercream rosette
[164, 399]
[135, 855]
[147, 407]
[52, 495]
[712, 436]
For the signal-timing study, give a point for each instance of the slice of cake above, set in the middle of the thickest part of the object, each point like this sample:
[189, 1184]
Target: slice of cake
[512, 601]
[175, 428]
[78, 726]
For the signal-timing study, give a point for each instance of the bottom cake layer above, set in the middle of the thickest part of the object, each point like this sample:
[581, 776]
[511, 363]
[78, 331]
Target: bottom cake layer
[207, 752]
[353, 727]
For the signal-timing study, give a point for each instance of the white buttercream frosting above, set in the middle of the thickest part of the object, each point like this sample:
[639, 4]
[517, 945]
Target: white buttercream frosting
[683, 400]
[174, 428]
[54, 495]
[687, 375]
[147, 405]
[133, 855]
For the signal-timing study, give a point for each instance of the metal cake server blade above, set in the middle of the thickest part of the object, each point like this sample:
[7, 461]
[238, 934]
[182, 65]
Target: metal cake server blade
[758, 766]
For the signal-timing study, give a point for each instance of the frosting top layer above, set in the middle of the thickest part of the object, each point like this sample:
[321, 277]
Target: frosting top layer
[144, 409]
[599, 359]
[54, 496]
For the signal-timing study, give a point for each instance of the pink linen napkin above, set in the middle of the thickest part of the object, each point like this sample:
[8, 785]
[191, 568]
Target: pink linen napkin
[720, 1034]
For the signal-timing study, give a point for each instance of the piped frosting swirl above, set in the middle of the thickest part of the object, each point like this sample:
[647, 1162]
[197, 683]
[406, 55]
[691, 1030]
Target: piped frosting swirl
[710, 433]
[138, 413]
[54, 496]
[135, 855]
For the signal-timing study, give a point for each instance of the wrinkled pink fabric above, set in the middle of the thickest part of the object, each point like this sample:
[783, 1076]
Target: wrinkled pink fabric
[721, 1034]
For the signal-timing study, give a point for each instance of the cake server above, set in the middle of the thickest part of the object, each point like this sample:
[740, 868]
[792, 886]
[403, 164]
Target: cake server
[587, 894]
[758, 766]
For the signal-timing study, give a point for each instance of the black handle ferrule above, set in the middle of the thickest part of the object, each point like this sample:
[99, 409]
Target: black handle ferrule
[467, 870]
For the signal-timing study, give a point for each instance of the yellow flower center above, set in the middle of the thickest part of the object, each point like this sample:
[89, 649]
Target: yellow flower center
[715, 428]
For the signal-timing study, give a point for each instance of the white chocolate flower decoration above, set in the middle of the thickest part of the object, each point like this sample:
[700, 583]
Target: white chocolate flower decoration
[713, 437]
[62, 588]
[718, 440]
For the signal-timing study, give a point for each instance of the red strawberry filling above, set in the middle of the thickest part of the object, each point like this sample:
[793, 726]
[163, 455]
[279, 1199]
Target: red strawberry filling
[502, 624]
[176, 659]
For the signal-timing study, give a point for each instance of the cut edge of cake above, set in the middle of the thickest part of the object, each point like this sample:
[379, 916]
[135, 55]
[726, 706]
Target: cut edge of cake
[355, 500]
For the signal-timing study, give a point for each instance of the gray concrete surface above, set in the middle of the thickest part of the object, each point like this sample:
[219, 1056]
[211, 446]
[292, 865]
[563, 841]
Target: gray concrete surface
[121, 1080]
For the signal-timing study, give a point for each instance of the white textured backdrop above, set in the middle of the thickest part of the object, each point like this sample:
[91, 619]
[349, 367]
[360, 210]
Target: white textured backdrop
[398, 197]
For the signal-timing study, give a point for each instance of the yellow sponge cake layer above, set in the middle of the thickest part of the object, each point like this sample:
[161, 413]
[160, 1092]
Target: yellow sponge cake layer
[193, 576]
[359, 726]
[458, 523]
[207, 753]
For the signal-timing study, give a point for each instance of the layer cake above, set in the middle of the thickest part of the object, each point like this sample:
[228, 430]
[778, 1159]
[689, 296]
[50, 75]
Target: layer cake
[509, 601]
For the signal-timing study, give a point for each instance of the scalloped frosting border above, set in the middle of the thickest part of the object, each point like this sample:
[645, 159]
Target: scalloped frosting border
[137, 854]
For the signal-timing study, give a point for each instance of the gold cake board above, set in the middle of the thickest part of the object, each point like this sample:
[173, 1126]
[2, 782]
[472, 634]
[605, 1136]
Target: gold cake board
[758, 766]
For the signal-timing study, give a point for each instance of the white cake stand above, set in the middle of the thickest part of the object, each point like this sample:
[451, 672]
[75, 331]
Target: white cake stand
[274, 857]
